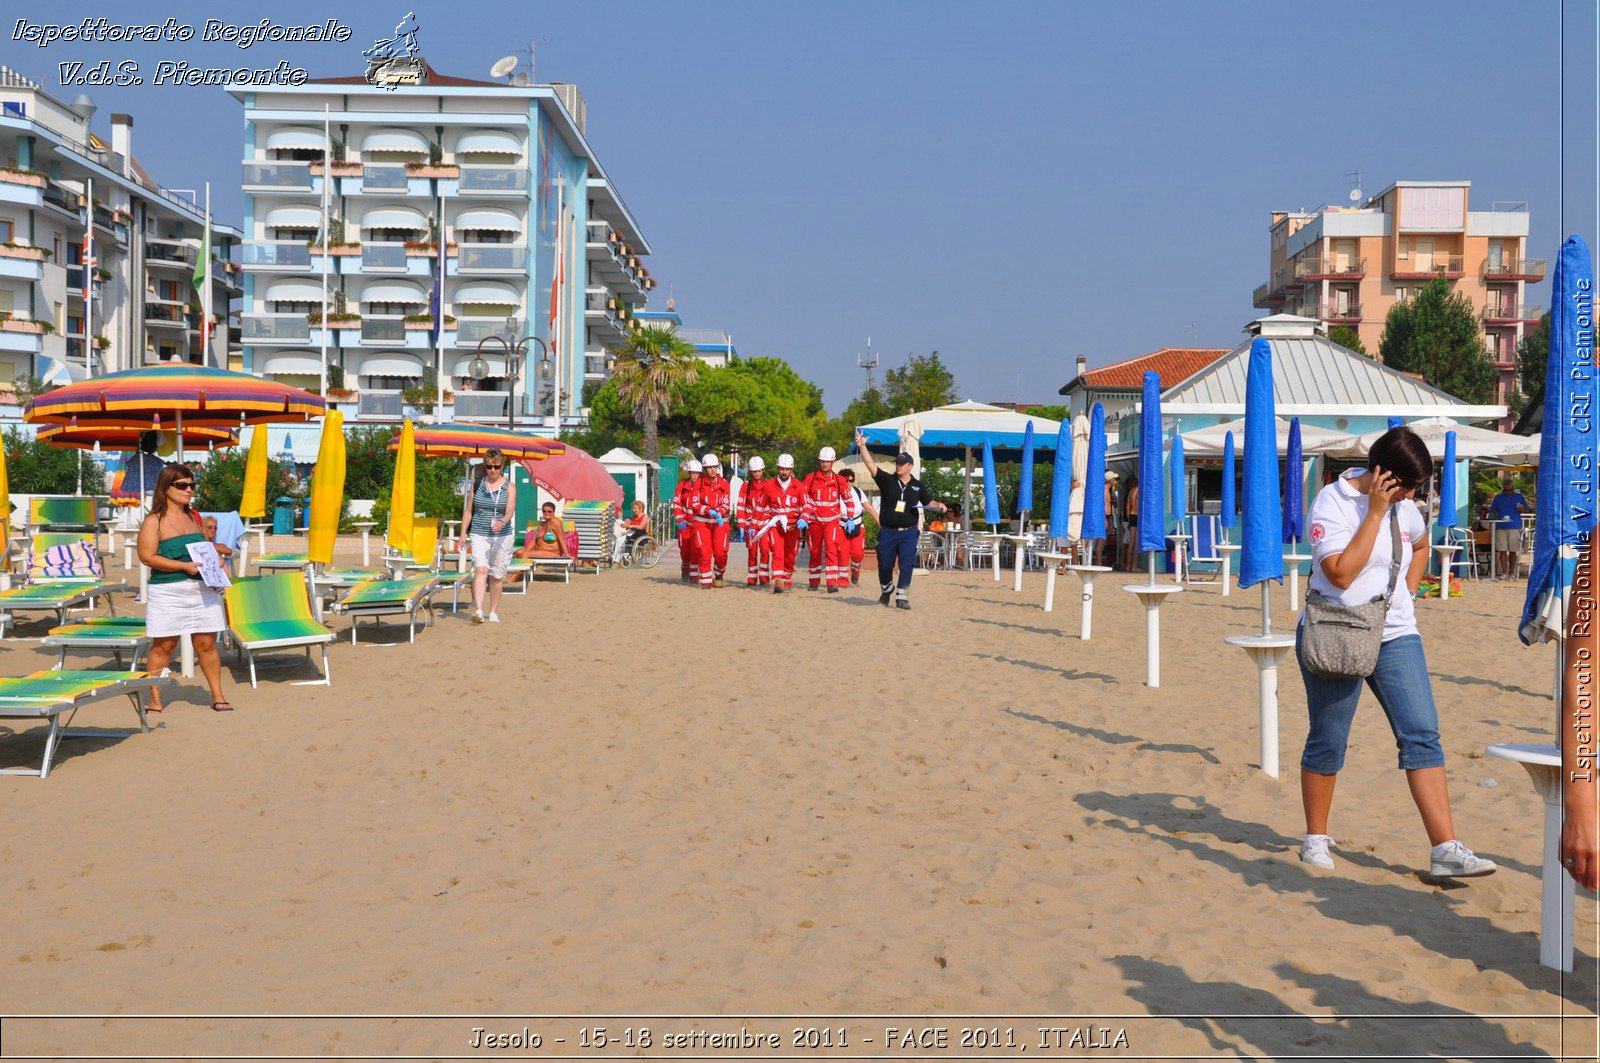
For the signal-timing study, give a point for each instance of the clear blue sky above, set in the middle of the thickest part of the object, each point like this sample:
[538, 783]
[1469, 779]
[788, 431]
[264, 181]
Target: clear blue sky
[1012, 183]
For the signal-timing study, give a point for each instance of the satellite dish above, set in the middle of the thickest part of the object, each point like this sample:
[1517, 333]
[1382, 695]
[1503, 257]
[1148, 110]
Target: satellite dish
[1355, 195]
[503, 67]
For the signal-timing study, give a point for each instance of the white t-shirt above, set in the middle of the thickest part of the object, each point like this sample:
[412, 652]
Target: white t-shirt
[1336, 513]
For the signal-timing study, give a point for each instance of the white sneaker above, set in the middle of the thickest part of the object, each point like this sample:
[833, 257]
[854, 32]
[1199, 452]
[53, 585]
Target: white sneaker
[1314, 851]
[1454, 860]
[477, 616]
[494, 618]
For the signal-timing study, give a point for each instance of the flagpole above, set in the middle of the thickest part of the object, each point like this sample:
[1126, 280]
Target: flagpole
[438, 321]
[205, 296]
[555, 326]
[327, 179]
[87, 269]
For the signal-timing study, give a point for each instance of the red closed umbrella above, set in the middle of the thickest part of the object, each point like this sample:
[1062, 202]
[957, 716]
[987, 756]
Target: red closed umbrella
[575, 476]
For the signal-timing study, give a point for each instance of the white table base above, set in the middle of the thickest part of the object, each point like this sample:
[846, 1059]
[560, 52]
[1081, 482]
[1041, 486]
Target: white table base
[1151, 595]
[1088, 574]
[1227, 550]
[1266, 653]
[1294, 561]
[1446, 555]
[1051, 561]
[1557, 890]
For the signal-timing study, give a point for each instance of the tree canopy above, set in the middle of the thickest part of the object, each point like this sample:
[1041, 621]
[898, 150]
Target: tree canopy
[1436, 335]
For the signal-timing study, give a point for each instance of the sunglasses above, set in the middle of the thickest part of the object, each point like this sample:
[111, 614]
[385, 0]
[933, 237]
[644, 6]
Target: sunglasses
[494, 468]
[184, 485]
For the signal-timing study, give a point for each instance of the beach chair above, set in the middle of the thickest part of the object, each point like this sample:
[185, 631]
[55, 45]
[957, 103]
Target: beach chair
[63, 571]
[525, 568]
[1466, 562]
[64, 515]
[274, 613]
[1205, 532]
[101, 633]
[424, 553]
[52, 694]
[378, 598]
[976, 550]
[281, 562]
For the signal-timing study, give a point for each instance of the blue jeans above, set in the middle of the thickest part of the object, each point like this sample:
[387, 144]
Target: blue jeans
[1401, 685]
[896, 545]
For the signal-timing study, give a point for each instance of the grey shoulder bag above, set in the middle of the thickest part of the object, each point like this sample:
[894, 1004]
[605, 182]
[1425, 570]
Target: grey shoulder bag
[1342, 641]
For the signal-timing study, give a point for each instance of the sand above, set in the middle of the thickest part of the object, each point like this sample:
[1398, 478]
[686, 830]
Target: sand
[637, 797]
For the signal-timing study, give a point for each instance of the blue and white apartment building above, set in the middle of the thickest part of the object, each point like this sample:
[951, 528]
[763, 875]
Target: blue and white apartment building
[538, 244]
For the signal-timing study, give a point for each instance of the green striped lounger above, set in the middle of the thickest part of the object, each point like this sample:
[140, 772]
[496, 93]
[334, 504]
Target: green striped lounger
[53, 694]
[59, 596]
[101, 633]
[389, 597]
[273, 613]
[281, 561]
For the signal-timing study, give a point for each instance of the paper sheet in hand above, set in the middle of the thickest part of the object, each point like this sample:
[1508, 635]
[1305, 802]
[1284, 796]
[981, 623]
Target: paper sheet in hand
[212, 573]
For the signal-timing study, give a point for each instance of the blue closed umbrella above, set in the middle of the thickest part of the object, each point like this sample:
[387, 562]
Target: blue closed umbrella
[1262, 557]
[1294, 505]
[1568, 452]
[991, 490]
[1229, 470]
[1025, 487]
[1061, 484]
[1447, 483]
[1152, 518]
[1396, 422]
[1094, 481]
[1180, 483]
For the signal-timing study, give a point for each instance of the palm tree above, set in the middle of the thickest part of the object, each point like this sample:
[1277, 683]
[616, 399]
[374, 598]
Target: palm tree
[648, 370]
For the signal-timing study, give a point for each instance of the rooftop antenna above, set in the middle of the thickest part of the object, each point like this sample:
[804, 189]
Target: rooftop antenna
[1355, 190]
[869, 362]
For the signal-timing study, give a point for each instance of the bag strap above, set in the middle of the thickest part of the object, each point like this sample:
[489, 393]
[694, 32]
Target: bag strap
[1394, 555]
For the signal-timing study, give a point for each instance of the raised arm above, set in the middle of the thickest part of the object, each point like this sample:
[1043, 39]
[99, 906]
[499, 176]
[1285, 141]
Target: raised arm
[866, 455]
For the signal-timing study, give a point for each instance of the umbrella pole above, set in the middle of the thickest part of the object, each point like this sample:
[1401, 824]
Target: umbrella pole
[1266, 607]
[1152, 559]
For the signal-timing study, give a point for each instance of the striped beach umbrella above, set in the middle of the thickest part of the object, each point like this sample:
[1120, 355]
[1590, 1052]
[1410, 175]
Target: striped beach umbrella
[192, 395]
[126, 436]
[463, 439]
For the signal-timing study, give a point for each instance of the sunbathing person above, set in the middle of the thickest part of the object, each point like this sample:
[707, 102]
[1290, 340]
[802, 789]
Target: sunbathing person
[549, 537]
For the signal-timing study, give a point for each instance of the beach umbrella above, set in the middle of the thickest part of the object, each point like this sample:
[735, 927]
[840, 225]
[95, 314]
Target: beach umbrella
[947, 431]
[253, 503]
[287, 453]
[1152, 516]
[574, 476]
[1061, 483]
[1472, 443]
[327, 492]
[1447, 484]
[1230, 515]
[1094, 478]
[1080, 475]
[5, 502]
[463, 439]
[1294, 524]
[1208, 441]
[124, 437]
[911, 442]
[1568, 456]
[1262, 557]
[1180, 486]
[403, 496]
[1395, 422]
[1025, 485]
[991, 490]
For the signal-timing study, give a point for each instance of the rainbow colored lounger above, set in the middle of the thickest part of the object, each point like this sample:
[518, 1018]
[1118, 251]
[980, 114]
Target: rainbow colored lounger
[101, 633]
[52, 694]
[389, 597]
[273, 613]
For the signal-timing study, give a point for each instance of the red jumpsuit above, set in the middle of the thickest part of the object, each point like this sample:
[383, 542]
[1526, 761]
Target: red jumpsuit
[686, 537]
[758, 504]
[855, 549]
[791, 497]
[713, 499]
[823, 512]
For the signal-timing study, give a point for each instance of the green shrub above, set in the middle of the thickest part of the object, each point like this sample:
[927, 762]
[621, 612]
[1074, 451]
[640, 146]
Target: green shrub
[37, 468]
[219, 481]
[369, 467]
[438, 491]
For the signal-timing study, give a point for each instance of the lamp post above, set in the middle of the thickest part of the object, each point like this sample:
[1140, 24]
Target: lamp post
[478, 368]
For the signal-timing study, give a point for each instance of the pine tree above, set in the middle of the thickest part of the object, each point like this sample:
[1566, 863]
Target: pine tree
[1436, 336]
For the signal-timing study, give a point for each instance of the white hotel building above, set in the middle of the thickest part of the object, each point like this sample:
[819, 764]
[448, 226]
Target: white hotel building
[539, 245]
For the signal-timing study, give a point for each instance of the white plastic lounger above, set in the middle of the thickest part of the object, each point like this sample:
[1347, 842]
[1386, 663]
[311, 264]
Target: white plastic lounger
[52, 694]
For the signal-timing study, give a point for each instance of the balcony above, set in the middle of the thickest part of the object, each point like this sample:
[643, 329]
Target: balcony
[275, 328]
[64, 200]
[1409, 267]
[170, 254]
[383, 331]
[1514, 269]
[491, 258]
[1263, 296]
[383, 258]
[379, 404]
[594, 366]
[277, 254]
[384, 179]
[482, 405]
[1336, 314]
[1511, 314]
[473, 330]
[277, 176]
[1330, 268]
[165, 316]
[492, 180]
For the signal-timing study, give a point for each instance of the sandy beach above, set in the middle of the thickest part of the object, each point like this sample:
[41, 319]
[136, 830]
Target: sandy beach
[637, 797]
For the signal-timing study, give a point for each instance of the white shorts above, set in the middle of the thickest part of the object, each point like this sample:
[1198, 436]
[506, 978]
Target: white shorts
[185, 608]
[492, 552]
[1508, 540]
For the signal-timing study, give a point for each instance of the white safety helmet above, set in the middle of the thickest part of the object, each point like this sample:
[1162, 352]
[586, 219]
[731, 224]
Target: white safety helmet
[826, 454]
[756, 464]
[785, 461]
[710, 460]
[693, 466]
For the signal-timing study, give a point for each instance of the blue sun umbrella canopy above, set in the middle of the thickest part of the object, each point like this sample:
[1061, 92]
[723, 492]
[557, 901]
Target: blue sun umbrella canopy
[1262, 557]
[948, 431]
[1396, 422]
[1061, 485]
[1294, 499]
[1025, 486]
[1568, 451]
[1094, 483]
[1152, 521]
[1447, 483]
[1180, 486]
[1230, 515]
[991, 490]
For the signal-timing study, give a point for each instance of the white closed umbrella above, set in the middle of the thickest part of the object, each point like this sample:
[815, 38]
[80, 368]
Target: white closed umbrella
[1480, 444]
[1210, 442]
[1080, 474]
[911, 442]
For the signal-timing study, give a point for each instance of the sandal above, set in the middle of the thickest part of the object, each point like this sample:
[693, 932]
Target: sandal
[221, 706]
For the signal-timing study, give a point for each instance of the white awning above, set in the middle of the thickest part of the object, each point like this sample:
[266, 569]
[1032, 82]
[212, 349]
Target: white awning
[294, 218]
[490, 141]
[389, 365]
[407, 140]
[489, 218]
[296, 290]
[295, 137]
[486, 292]
[290, 363]
[392, 292]
[394, 218]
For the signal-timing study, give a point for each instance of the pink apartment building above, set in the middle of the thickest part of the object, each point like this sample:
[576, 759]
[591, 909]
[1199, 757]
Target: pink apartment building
[1349, 265]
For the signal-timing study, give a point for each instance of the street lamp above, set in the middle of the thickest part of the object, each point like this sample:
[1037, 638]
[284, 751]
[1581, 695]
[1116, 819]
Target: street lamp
[478, 368]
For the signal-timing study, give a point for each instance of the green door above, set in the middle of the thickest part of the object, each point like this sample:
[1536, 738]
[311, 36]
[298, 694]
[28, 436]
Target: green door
[527, 499]
[626, 482]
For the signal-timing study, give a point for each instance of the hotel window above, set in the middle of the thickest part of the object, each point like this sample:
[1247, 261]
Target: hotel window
[8, 372]
[7, 301]
[7, 227]
[74, 324]
[293, 306]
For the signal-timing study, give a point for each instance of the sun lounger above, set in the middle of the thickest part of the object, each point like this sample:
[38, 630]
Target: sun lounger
[64, 515]
[52, 579]
[281, 562]
[101, 633]
[424, 554]
[273, 613]
[52, 694]
[380, 597]
[533, 566]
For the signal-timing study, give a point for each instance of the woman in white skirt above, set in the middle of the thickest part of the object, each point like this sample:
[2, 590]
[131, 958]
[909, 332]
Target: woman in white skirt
[491, 510]
[177, 602]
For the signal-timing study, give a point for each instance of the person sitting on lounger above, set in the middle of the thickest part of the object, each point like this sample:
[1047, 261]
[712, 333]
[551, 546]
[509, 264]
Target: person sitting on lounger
[549, 537]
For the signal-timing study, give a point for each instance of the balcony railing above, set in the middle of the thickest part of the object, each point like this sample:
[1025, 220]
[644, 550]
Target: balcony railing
[599, 232]
[162, 314]
[379, 404]
[595, 364]
[281, 175]
[383, 179]
[1414, 266]
[1504, 313]
[500, 258]
[63, 199]
[1335, 312]
[277, 253]
[184, 256]
[383, 330]
[383, 257]
[274, 327]
[482, 405]
[473, 330]
[1317, 268]
[1262, 294]
[1514, 269]
[492, 179]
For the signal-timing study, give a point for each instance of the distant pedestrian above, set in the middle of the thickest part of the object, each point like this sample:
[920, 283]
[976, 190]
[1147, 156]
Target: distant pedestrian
[1505, 511]
[901, 498]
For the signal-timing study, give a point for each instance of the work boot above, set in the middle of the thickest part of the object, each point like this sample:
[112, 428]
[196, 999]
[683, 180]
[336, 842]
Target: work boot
[832, 589]
[777, 588]
[717, 582]
[903, 603]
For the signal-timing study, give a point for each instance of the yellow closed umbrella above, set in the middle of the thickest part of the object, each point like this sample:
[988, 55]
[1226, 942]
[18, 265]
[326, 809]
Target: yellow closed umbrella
[403, 497]
[254, 502]
[5, 505]
[327, 491]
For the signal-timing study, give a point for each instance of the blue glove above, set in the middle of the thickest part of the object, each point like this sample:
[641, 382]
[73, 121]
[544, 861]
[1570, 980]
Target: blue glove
[803, 525]
[720, 520]
[850, 525]
[682, 524]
